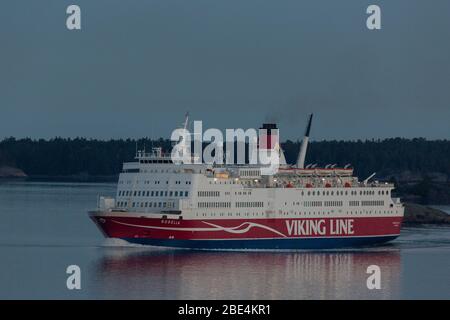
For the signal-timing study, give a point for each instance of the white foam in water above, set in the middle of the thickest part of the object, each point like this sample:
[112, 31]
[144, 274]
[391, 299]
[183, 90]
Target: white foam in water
[119, 243]
[114, 242]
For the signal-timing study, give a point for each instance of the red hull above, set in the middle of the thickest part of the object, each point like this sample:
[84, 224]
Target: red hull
[231, 229]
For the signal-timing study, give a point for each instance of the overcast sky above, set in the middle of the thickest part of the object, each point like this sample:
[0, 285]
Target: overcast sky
[137, 66]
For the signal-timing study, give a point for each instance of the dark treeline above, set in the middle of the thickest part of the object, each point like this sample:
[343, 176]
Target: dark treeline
[62, 157]
[385, 157]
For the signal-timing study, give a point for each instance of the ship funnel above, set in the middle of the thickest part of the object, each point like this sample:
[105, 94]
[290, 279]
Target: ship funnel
[268, 138]
[304, 146]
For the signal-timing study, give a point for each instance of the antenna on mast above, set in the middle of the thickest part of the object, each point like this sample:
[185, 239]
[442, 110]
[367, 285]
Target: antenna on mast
[182, 146]
[304, 146]
[186, 121]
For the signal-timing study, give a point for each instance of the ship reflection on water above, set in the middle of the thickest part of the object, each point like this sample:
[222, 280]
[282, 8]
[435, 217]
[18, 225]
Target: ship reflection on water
[132, 273]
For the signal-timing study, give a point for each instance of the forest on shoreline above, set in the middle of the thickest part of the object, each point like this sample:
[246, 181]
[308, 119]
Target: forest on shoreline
[66, 156]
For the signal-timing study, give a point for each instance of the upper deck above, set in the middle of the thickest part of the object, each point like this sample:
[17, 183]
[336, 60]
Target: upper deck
[249, 176]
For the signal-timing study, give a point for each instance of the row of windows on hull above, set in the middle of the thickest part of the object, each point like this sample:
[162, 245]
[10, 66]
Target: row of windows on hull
[137, 193]
[153, 182]
[293, 214]
[320, 203]
[254, 204]
[351, 203]
[214, 204]
[145, 204]
[346, 193]
[208, 193]
[162, 204]
[217, 193]
[309, 193]
[307, 204]
[259, 204]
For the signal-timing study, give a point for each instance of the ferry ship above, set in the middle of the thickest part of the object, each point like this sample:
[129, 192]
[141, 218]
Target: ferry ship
[236, 207]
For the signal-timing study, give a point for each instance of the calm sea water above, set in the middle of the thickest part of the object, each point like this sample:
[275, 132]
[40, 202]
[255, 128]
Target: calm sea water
[44, 228]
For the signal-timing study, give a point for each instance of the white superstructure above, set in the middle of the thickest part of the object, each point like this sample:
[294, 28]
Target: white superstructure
[153, 184]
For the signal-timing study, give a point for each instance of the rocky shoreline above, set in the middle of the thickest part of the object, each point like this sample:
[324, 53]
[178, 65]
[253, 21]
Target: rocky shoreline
[416, 214]
[11, 172]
